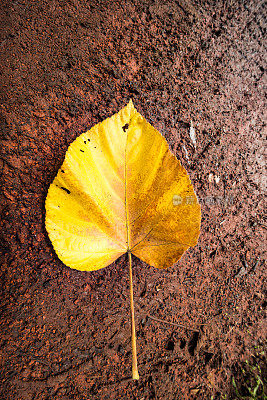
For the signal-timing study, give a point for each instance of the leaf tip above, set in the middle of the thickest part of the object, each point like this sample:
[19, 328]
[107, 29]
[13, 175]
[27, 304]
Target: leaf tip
[131, 105]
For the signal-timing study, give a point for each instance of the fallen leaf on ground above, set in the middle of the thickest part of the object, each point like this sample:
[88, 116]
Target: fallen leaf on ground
[120, 190]
[114, 193]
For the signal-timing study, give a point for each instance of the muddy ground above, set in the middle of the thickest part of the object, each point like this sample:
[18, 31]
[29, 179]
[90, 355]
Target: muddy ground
[67, 65]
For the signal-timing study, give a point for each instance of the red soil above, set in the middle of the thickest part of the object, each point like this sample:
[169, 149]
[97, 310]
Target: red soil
[65, 334]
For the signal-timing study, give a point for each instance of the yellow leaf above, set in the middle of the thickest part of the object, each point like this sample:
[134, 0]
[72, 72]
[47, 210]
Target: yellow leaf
[120, 189]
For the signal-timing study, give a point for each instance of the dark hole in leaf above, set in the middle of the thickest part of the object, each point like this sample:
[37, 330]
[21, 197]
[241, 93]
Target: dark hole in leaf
[84, 141]
[63, 171]
[66, 190]
[82, 151]
[125, 127]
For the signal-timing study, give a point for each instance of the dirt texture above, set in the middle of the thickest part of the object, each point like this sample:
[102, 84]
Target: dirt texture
[67, 65]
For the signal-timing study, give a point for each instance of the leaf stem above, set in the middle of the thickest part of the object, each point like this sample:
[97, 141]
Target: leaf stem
[135, 374]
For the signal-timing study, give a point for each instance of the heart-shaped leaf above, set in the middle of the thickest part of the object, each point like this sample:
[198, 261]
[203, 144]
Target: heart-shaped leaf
[119, 190]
